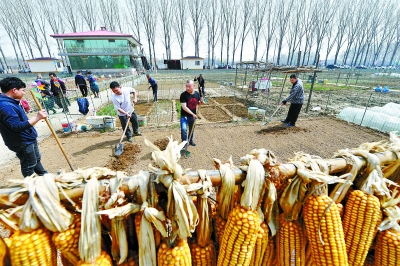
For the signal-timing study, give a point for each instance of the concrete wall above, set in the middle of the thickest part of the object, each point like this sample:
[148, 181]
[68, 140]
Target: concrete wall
[191, 64]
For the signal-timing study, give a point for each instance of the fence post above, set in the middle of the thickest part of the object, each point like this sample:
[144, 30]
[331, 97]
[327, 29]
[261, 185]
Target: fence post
[312, 84]
[366, 107]
[327, 102]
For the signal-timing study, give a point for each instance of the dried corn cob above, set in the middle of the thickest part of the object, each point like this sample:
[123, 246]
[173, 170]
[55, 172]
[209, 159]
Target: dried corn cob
[360, 225]
[332, 251]
[262, 248]
[387, 250]
[341, 209]
[203, 256]
[34, 248]
[103, 260]
[291, 243]
[239, 237]
[67, 241]
[178, 255]
[131, 232]
[4, 253]
[309, 261]
[219, 228]
[269, 254]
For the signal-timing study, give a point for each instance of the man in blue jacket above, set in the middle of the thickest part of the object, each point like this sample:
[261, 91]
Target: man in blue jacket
[153, 85]
[17, 130]
[296, 99]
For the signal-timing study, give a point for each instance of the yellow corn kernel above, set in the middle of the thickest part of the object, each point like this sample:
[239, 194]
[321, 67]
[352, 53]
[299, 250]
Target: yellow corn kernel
[262, 249]
[34, 248]
[239, 238]
[219, 228]
[178, 255]
[103, 260]
[67, 242]
[291, 243]
[387, 249]
[360, 225]
[203, 256]
[333, 249]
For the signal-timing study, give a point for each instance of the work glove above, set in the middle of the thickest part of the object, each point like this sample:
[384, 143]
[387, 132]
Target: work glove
[284, 102]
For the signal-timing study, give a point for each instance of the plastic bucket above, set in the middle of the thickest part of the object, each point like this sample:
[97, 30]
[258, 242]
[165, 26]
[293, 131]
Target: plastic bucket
[142, 120]
[109, 122]
[325, 81]
[260, 114]
[252, 112]
[67, 127]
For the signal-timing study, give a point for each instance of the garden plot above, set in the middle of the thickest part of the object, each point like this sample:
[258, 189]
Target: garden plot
[238, 110]
[214, 114]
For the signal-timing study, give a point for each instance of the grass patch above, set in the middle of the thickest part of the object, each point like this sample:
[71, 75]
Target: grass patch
[178, 109]
[325, 87]
[107, 110]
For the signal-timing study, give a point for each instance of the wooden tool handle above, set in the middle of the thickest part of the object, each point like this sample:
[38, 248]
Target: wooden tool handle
[52, 131]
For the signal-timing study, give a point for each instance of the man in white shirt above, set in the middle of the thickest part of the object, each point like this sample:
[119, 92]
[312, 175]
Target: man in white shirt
[122, 103]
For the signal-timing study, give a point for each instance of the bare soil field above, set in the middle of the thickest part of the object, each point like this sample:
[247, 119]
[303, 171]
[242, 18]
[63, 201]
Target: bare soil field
[318, 136]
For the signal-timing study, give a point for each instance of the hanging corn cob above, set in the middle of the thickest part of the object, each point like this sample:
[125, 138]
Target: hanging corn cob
[241, 231]
[387, 249]
[133, 259]
[263, 251]
[225, 196]
[4, 254]
[291, 240]
[323, 224]
[34, 248]
[203, 250]
[180, 208]
[67, 242]
[103, 260]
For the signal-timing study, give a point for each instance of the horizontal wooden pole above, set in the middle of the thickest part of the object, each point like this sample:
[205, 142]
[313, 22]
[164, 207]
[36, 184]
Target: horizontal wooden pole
[289, 170]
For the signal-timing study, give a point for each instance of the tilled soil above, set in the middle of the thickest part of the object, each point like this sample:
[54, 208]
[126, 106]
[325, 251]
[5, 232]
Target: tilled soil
[213, 114]
[239, 110]
[320, 136]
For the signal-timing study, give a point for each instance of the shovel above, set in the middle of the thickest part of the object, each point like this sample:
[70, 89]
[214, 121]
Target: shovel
[269, 119]
[119, 148]
[185, 152]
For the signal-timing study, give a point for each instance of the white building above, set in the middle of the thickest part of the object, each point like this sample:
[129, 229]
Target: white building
[45, 64]
[192, 62]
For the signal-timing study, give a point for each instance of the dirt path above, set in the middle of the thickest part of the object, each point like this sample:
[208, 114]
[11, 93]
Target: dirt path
[318, 136]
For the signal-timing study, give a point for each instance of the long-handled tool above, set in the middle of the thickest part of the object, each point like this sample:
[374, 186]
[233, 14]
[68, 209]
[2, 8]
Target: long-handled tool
[269, 119]
[53, 132]
[185, 152]
[119, 148]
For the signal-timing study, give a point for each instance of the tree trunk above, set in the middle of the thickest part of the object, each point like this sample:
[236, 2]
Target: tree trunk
[394, 53]
[4, 58]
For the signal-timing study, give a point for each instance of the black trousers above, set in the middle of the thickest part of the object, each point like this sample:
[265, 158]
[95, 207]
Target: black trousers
[155, 89]
[293, 114]
[135, 125]
[84, 90]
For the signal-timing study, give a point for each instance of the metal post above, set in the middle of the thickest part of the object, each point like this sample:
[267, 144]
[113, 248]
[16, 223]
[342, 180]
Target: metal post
[283, 86]
[337, 80]
[327, 102]
[298, 59]
[312, 85]
[366, 107]
[236, 76]
[233, 106]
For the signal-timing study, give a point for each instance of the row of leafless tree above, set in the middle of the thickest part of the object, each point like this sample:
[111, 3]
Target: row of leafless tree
[351, 32]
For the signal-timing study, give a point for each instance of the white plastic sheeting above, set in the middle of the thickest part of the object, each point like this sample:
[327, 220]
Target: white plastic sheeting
[384, 119]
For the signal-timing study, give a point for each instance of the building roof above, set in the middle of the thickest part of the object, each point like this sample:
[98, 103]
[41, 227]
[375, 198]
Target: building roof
[103, 33]
[44, 59]
[191, 57]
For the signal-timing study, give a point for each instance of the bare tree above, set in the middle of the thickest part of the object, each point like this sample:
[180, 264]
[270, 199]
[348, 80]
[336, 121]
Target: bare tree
[344, 14]
[354, 25]
[226, 15]
[147, 11]
[196, 8]
[331, 39]
[295, 30]
[236, 25]
[134, 17]
[110, 13]
[213, 21]
[88, 10]
[269, 28]
[222, 34]
[257, 23]
[247, 10]
[283, 15]
[166, 22]
[179, 25]
[71, 15]
[396, 44]
[309, 25]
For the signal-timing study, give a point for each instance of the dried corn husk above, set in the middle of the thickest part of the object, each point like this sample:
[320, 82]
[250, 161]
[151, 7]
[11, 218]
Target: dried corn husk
[90, 238]
[227, 190]
[180, 208]
[391, 220]
[119, 247]
[203, 229]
